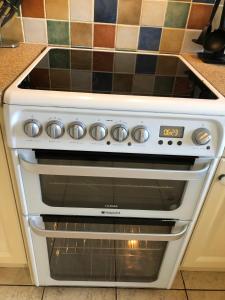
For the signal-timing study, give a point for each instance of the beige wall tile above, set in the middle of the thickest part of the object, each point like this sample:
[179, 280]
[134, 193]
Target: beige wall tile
[171, 40]
[79, 294]
[147, 294]
[13, 30]
[204, 280]
[81, 34]
[127, 37]
[188, 44]
[206, 295]
[20, 293]
[129, 12]
[153, 13]
[35, 30]
[82, 10]
[56, 9]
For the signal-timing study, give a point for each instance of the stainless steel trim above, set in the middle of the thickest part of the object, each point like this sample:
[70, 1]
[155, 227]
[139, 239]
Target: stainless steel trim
[112, 172]
[36, 225]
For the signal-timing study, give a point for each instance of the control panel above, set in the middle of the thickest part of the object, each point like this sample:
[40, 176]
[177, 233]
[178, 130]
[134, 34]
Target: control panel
[119, 132]
[113, 131]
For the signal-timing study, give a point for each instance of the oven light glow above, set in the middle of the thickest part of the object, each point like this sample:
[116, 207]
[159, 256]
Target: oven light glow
[132, 244]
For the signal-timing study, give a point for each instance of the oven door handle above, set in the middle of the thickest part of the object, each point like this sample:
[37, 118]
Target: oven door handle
[36, 226]
[112, 172]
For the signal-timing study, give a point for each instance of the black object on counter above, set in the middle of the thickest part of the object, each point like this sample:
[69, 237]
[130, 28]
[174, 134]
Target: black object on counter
[7, 10]
[208, 28]
[213, 42]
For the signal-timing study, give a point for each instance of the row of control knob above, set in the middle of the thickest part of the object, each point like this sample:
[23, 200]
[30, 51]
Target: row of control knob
[98, 131]
[77, 130]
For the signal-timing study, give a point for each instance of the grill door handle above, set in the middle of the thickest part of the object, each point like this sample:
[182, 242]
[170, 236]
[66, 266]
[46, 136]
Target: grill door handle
[37, 227]
[112, 172]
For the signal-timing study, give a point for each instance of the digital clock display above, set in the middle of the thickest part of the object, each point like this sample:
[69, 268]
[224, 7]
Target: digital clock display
[171, 132]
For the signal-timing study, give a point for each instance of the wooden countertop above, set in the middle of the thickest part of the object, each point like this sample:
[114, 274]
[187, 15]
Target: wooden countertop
[215, 74]
[14, 61]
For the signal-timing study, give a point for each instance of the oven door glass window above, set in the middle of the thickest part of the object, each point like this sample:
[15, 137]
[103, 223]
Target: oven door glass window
[77, 259]
[114, 192]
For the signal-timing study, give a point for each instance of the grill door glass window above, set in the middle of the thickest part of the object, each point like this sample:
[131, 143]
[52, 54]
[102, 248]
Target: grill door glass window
[119, 193]
[106, 260]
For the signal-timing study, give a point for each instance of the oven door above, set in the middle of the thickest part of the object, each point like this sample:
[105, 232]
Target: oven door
[103, 251]
[96, 184]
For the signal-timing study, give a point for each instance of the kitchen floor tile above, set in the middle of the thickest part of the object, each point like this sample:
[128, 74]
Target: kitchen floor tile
[178, 283]
[204, 280]
[79, 294]
[20, 293]
[147, 294]
[15, 276]
[206, 295]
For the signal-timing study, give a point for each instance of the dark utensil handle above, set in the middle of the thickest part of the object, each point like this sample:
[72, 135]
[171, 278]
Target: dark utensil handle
[214, 10]
[222, 20]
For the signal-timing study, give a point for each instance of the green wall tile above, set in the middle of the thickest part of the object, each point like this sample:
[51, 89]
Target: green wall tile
[177, 14]
[58, 32]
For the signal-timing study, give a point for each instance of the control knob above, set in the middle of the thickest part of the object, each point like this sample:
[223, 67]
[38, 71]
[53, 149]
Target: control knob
[201, 136]
[77, 130]
[140, 134]
[119, 132]
[55, 129]
[32, 128]
[98, 131]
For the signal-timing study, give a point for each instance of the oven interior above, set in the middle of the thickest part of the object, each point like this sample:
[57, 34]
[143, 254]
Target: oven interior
[114, 193]
[72, 259]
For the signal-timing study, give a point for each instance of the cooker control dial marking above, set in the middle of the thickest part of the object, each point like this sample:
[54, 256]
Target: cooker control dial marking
[77, 130]
[55, 129]
[119, 132]
[32, 128]
[201, 136]
[140, 134]
[98, 131]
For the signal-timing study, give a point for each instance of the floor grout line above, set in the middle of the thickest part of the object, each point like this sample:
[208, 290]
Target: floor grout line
[183, 280]
[42, 297]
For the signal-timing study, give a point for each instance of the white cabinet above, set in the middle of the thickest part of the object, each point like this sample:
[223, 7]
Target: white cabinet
[12, 251]
[206, 250]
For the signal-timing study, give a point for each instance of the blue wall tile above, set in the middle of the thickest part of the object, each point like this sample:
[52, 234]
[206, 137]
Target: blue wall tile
[105, 11]
[149, 38]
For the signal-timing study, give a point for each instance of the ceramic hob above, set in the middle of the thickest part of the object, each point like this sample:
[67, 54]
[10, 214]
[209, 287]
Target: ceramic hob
[116, 73]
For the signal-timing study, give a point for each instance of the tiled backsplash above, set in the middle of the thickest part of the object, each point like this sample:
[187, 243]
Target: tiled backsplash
[151, 25]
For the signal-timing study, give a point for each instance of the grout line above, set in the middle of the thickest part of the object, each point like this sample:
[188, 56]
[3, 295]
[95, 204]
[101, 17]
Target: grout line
[183, 280]
[186, 294]
[42, 296]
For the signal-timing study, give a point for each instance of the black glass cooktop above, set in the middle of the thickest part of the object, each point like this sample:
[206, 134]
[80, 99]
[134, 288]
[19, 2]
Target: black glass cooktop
[115, 73]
